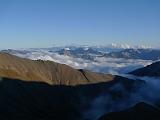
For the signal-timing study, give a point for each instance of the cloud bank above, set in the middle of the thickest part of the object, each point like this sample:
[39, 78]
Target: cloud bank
[98, 64]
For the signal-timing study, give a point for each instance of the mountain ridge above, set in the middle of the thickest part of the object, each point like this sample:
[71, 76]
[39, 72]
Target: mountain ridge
[152, 70]
[48, 71]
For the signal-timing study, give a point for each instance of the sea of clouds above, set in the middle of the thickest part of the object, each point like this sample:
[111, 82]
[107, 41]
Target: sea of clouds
[98, 64]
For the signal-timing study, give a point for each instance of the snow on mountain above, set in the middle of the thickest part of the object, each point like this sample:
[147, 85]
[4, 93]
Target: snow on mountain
[103, 48]
[144, 54]
[123, 46]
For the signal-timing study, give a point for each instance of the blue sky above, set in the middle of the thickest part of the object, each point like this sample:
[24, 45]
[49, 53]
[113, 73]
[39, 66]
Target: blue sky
[44, 23]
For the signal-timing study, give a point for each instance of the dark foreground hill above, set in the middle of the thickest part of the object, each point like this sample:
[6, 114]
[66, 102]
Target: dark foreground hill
[152, 70]
[20, 100]
[140, 111]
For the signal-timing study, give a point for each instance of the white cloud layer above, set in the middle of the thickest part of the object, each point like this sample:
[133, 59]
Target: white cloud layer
[98, 64]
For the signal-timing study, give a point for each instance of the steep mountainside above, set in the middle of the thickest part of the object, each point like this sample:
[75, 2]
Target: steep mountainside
[47, 71]
[152, 70]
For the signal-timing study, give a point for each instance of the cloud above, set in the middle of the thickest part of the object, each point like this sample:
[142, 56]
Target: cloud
[98, 64]
[104, 103]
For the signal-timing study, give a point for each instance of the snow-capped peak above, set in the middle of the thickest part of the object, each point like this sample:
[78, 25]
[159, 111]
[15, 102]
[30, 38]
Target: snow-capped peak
[67, 48]
[123, 46]
[127, 46]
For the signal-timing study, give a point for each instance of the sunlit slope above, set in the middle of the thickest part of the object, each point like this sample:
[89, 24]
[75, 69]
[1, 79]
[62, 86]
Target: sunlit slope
[46, 71]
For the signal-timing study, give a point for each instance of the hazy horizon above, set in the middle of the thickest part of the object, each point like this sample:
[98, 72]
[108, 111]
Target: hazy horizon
[109, 45]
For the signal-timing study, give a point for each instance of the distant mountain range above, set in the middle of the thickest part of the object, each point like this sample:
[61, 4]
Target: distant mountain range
[84, 53]
[111, 46]
[144, 54]
[89, 53]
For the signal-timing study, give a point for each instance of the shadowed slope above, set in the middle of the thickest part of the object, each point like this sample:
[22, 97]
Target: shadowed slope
[140, 111]
[46, 71]
[152, 70]
[20, 100]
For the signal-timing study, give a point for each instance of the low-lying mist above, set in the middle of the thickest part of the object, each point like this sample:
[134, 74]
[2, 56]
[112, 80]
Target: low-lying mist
[105, 103]
[97, 64]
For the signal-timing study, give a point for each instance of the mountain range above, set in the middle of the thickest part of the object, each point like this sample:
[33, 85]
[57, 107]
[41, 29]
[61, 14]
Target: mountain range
[144, 54]
[131, 53]
[90, 53]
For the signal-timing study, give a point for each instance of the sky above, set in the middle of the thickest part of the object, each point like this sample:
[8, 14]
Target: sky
[45, 23]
